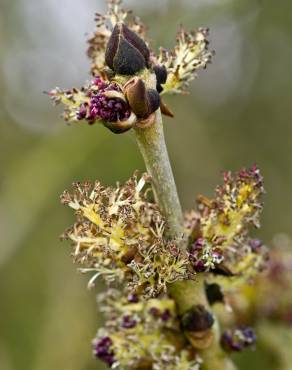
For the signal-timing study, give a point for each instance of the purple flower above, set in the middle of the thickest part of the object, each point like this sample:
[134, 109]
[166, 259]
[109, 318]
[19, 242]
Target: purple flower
[199, 266]
[133, 298]
[155, 312]
[82, 112]
[102, 349]
[104, 106]
[100, 83]
[255, 245]
[128, 322]
[199, 244]
[195, 255]
[238, 339]
[166, 315]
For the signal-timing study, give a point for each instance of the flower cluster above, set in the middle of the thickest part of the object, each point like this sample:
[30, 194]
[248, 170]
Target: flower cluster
[142, 334]
[119, 235]
[190, 54]
[128, 78]
[219, 240]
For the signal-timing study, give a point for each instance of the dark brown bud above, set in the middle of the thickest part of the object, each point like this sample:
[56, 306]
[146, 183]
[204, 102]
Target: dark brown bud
[119, 127]
[161, 76]
[214, 293]
[146, 122]
[201, 339]
[143, 102]
[222, 270]
[197, 319]
[153, 100]
[126, 52]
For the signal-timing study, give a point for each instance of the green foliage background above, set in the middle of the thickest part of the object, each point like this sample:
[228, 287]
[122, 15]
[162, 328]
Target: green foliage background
[239, 112]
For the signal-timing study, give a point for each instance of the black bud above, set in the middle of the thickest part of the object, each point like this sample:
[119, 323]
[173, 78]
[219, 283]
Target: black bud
[161, 76]
[153, 98]
[222, 270]
[119, 127]
[197, 319]
[214, 293]
[126, 52]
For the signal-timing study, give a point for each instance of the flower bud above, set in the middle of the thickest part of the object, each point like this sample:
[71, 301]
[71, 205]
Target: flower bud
[102, 349]
[161, 76]
[201, 339]
[214, 293]
[143, 102]
[126, 52]
[197, 323]
[119, 127]
[153, 99]
[197, 319]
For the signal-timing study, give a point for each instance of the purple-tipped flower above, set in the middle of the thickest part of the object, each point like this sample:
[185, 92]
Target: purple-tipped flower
[195, 255]
[106, 103]
[155, 312]
[166, 315]
[102, 349]
[128, 322]
[255, 245]
[238, 339]
[203, 256]
[133, 298]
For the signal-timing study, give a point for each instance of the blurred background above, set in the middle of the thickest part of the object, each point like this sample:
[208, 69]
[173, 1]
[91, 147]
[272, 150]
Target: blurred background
[239, 113]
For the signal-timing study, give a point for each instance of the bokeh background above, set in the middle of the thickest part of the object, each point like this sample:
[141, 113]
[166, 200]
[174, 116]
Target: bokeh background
[239, 113]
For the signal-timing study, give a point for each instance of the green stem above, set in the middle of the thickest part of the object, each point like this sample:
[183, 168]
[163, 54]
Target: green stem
[186, 293]
[152, 146]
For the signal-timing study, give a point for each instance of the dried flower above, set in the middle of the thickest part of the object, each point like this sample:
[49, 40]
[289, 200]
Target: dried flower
[190, 54]
[144, 334]
[219, 235]
[119, 235]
